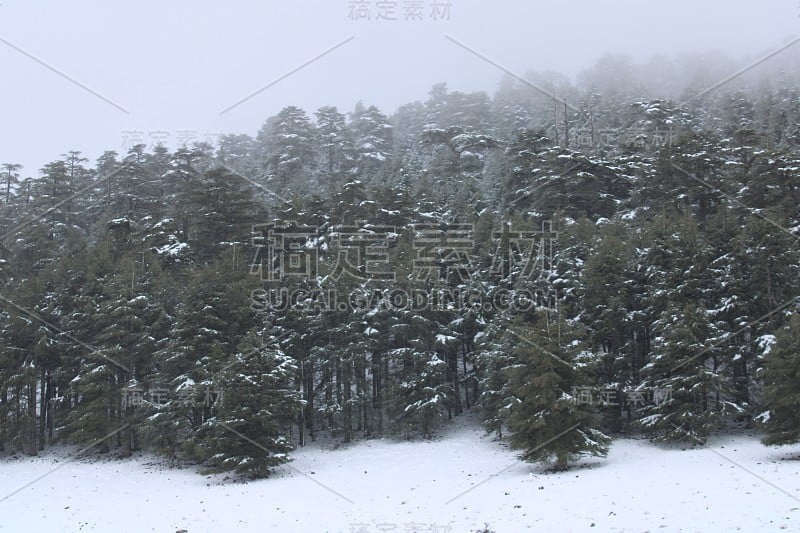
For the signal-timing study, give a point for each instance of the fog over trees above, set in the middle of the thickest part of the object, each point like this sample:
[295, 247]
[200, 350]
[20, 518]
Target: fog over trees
[584, 259]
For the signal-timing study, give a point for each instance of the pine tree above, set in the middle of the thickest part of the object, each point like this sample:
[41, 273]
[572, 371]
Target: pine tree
[5, 266]
[336, 150]
[247, 429]
[223, 211]
[548, 420]
[286, 143]
[690, 396]
[237, 152]
[372, 141]
[420, 391]
[781, 394]
[18, 377]
[10, 179]
[495, 359]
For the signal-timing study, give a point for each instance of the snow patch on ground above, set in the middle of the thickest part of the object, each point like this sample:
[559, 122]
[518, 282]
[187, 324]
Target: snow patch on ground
[457, 482]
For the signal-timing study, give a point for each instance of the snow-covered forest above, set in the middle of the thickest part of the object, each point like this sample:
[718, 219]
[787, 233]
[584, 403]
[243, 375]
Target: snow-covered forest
[567, 262]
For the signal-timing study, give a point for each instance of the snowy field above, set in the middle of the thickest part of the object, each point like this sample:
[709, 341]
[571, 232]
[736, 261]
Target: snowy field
[448, 484]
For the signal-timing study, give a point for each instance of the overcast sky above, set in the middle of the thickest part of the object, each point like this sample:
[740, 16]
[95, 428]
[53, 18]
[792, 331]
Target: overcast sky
[175, 66]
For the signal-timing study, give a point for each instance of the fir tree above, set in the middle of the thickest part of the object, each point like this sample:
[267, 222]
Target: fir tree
[781, 395]
[254, 406]
[549, 421]
[689, 394]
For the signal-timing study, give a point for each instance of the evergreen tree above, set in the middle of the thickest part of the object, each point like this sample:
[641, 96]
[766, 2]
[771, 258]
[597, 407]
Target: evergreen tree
[548, 420]
[781, 377]
[336, 150]
[224, 212]
[684, 378]
[247, 429]
[496, 359]
[287, 150]
[372, 141]
[10, 179]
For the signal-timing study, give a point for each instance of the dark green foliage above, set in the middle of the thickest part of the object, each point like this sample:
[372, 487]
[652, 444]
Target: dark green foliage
[547, 422]
[254, 404]
[130, 318]
[685, 370]
[782, 386]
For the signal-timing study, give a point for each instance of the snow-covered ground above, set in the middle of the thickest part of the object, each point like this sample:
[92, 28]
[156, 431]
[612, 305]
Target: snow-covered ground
[734, 485]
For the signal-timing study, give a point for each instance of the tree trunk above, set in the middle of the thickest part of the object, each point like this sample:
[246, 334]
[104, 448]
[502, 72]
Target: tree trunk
[452, 360]
[464, 352]
[347, 408]
[43, 411]
[377, 392]
[310, 418]
[301, 416]
[3, 418]
[51, 409]
[30, 430]
[328, 383]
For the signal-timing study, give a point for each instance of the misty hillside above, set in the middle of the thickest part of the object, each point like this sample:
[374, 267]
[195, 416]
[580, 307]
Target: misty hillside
[561, 264]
